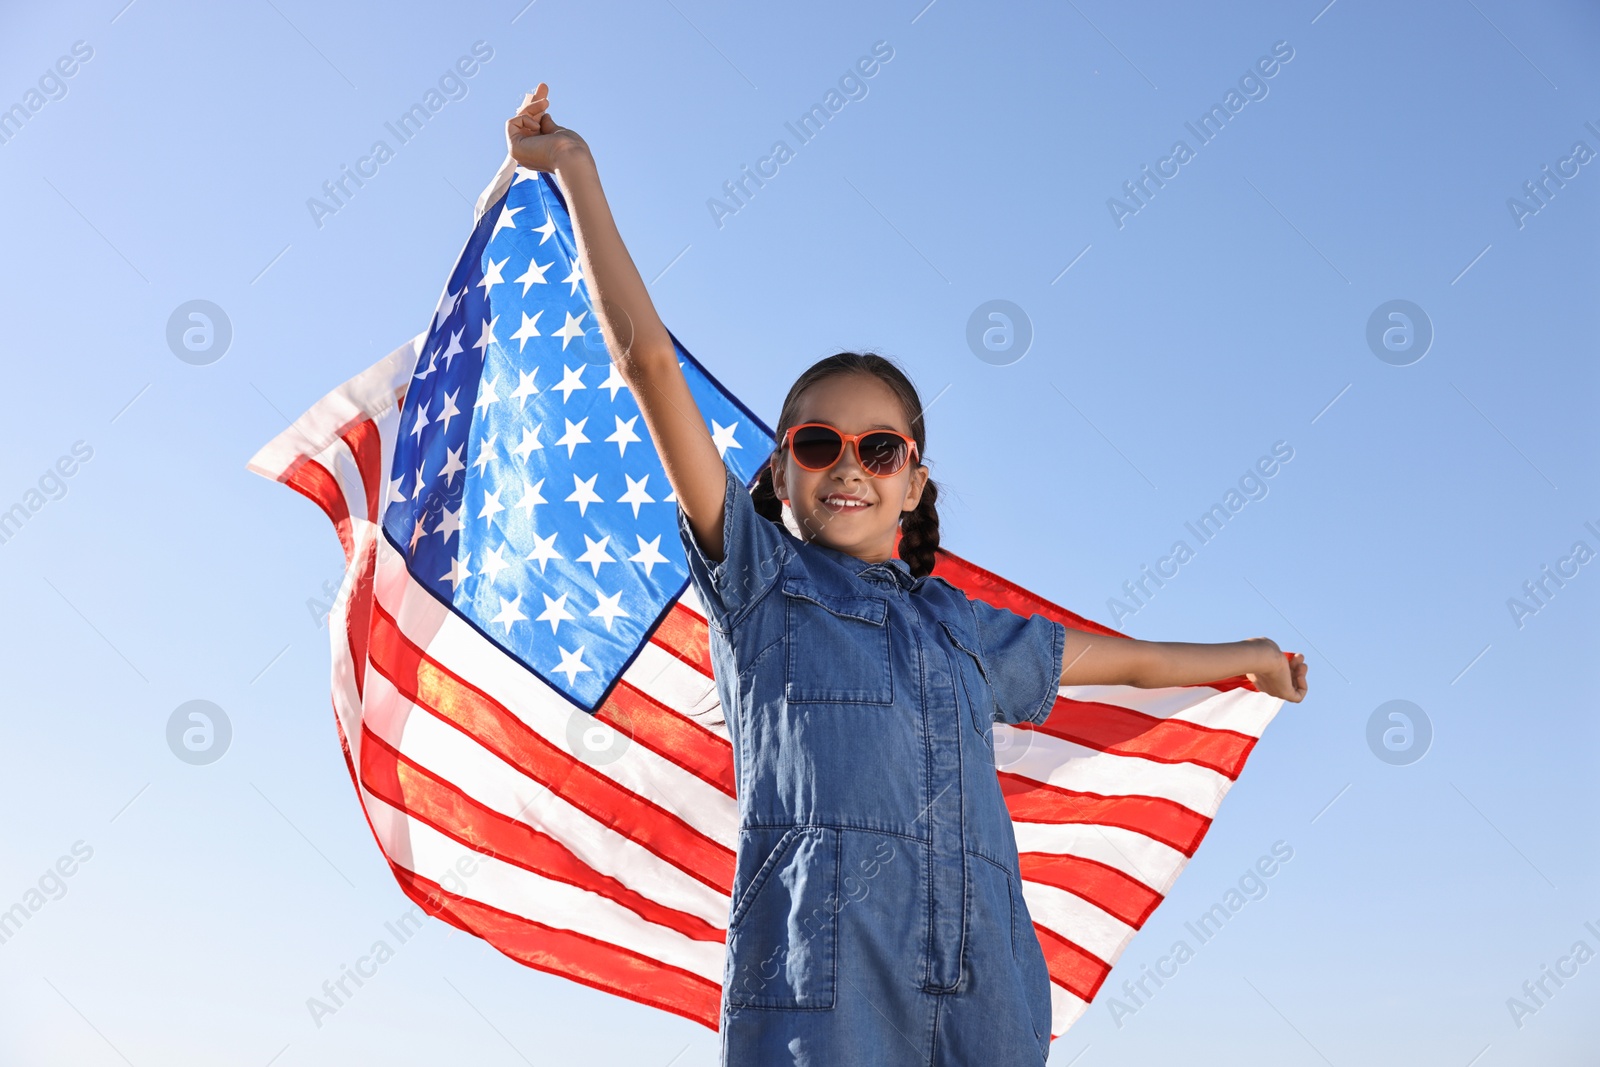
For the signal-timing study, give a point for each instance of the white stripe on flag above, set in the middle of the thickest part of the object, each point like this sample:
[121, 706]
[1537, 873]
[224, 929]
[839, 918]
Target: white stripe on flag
[422, 850]
[482, 776]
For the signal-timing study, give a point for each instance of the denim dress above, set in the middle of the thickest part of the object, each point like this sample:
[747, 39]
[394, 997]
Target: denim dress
[876, 914]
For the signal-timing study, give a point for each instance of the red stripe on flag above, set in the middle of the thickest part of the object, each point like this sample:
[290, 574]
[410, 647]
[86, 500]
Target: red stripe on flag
[595, 963]
[669, 735]
[1080, 971]
[358, 615]
[686, 636]
[1107, 888]
[392, 777]
[1164, 820]
[434, 688]
[315, 482]
[1125, 732]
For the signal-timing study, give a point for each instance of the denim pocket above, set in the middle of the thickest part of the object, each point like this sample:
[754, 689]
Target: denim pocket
[783, 930]
[974, 680]
[838, 646]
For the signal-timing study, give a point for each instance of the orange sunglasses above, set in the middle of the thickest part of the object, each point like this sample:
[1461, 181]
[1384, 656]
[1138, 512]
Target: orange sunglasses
[816, 446]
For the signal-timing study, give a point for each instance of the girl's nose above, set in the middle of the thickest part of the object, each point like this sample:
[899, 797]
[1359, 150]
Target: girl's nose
[847, 470]
[847, 463]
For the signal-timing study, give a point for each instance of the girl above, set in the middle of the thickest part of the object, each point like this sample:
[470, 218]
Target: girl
[876, 913]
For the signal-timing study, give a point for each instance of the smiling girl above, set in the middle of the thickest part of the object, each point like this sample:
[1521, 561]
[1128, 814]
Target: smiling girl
[876, 912]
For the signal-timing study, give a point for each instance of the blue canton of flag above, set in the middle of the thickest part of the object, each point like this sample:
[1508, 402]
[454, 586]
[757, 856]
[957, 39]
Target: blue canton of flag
[525, 491]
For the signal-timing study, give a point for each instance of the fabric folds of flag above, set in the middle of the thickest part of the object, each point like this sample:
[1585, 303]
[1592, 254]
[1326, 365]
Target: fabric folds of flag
[521, 676]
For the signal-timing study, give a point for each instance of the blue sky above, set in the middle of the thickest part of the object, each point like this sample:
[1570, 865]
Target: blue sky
[1172, 347]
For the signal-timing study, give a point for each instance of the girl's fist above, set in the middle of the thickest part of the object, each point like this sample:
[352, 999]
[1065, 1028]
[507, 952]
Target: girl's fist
[1285, 680]
[532, 136]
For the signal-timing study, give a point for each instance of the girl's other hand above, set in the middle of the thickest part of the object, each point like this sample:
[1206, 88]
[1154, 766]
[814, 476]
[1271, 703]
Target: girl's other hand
[533, 138]
[1285, 679]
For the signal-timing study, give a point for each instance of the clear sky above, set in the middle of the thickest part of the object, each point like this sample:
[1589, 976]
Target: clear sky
[1176, 340]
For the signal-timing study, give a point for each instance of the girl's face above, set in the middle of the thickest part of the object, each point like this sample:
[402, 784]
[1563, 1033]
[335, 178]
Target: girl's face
[854, 403]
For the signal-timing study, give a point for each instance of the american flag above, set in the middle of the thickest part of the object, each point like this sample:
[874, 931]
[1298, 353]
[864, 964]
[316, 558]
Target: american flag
[521, 674]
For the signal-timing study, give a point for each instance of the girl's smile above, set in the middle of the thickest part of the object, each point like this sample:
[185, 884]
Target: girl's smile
[844, 504]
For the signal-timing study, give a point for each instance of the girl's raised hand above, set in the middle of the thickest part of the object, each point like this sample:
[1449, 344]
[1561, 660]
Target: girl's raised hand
[532, 136]
[1285, 680]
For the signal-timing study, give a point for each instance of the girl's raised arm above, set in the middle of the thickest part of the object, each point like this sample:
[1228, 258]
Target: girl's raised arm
[634, 335]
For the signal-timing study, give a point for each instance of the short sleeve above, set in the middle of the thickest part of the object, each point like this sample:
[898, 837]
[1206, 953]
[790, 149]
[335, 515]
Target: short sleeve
[1024, 657]
[754, 553]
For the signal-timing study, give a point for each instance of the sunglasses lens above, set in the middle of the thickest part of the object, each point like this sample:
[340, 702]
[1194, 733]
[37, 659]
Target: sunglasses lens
[816, 447]
[883, 454]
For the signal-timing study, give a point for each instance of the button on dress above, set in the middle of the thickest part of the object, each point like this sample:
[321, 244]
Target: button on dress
[876, 914]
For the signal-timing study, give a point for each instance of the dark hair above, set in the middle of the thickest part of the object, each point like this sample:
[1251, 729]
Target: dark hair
[919, 529]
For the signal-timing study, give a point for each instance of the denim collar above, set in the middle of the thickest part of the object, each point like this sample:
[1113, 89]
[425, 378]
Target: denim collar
[892, 569]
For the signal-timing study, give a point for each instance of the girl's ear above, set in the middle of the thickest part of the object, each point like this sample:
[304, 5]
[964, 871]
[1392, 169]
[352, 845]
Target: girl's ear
[919, 481]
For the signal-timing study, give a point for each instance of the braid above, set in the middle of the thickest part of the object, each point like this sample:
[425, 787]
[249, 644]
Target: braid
[768, 506]
[919, 532]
